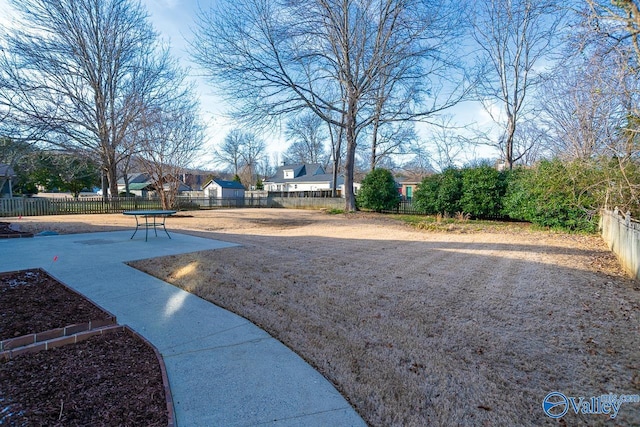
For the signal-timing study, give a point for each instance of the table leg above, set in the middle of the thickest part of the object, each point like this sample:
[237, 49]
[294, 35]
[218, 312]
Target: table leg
[164, 219]
[137, 225]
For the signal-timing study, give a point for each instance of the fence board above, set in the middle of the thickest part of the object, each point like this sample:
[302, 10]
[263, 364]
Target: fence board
[37, 206]
[622, 235]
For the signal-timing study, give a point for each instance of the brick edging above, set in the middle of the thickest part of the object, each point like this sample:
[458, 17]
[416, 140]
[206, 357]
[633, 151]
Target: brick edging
[51, 334]
[58, 342]
[68, 330]
[73, 334]
[15, 235]
[165, 379]
[85, 335]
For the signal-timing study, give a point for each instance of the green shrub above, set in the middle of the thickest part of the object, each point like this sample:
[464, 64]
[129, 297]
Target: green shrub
[378, 191]
[439, 193]
[425, 197]
[554, 194]
[187, 205]
[450, 192]
[482, 190]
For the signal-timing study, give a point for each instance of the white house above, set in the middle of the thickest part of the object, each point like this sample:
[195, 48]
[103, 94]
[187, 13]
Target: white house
[219, 189]
[302, 178]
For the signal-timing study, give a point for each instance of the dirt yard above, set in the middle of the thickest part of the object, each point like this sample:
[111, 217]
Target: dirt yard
[463, 327]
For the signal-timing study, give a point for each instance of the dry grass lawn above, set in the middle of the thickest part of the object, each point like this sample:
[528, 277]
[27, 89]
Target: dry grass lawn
[417, 328]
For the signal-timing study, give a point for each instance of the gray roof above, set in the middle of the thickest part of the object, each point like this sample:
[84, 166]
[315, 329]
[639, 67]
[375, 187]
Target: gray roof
[226, 184]
[303, 172]
[135, 178]
[6, 170]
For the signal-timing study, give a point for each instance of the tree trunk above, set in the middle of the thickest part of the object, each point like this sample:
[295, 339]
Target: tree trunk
[104, 184]
[113, 180]
[126, 184]
[508, 150]
[349, 164]
[337, 147]
[374, 145]
[349, 196]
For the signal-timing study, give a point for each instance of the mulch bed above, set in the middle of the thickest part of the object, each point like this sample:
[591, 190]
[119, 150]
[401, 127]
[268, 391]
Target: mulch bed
[108, 380]
[31, 301]
[114, 379]
[6, 232]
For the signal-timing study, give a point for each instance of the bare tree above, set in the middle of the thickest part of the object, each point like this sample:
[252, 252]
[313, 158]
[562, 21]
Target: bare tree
[253, 155]
[619, 22]
[230, 151]
[169, 140]
[514, 36]
[392, 140]
[274, 58]
[306, 130]
[78, 73]
[244, 152]
[579, 110]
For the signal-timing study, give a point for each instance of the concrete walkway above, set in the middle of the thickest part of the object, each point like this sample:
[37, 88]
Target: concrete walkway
[223, 370]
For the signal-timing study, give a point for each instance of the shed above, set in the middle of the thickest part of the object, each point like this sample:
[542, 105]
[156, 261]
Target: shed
[220, 189]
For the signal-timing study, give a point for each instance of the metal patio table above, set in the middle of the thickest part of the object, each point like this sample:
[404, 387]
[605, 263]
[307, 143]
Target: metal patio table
[152, 218]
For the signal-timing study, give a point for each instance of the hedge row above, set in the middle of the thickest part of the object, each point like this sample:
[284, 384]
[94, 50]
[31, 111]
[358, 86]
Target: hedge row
[553, 193]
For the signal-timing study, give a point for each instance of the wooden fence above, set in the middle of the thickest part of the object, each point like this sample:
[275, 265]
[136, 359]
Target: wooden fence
[36, 206]
[622, 235]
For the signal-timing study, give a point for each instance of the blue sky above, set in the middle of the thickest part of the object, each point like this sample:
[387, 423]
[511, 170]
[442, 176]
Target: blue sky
[174, 20]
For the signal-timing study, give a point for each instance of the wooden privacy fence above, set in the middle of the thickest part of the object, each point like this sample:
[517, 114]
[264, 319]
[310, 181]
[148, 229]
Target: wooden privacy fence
[622, 235]
[36, 206]
[307, 202]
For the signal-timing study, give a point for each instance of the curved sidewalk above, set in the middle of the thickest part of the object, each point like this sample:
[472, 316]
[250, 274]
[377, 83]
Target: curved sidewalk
[223, 370]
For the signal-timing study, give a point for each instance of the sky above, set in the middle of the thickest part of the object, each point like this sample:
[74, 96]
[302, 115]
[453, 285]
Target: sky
[174, 20]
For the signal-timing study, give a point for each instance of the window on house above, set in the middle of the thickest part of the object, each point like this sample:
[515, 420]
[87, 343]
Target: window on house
[288, 174]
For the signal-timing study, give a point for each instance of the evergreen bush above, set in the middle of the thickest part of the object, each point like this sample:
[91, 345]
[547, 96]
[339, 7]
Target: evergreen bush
[378, 191]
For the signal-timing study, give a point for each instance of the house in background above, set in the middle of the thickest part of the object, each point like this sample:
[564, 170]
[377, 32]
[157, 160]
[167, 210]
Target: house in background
[220, 189]
[7, 175]
[141, 185]
[406, 188]
[303, 180]
[196, 178]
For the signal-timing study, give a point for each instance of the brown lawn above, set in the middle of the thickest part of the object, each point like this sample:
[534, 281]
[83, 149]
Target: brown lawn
[466, 327]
